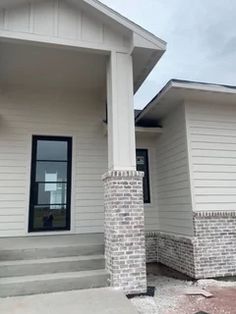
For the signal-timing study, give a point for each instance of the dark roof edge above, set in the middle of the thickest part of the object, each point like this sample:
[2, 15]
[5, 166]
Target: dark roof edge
[162, 91]
[169, 85]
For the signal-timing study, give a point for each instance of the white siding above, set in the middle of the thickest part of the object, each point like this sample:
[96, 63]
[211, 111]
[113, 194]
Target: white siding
[151, 213]
[23, 114]
[212, 142]
[57, 21]
[173, 182]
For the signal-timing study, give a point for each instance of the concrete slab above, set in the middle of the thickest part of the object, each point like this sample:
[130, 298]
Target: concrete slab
[50, 241]
[92, 301]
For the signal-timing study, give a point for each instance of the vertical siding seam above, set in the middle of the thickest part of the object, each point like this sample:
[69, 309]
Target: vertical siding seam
[56, 18]
[5, 19]
[28, 178]
[189, 158]
[31, 18]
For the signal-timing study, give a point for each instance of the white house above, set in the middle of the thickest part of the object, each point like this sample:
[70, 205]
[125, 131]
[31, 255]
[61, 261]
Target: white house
[195, 177]
[72, 145]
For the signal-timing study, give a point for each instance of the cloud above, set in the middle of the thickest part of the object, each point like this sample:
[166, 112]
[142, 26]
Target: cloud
[201, 37]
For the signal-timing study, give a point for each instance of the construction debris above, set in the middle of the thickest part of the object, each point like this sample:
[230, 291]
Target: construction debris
[197, 291]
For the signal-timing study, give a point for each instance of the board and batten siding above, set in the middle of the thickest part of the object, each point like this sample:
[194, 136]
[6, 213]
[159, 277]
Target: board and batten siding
[212, 143]
[150, 210]
[23, 114]
[60, 21]
[173, 181]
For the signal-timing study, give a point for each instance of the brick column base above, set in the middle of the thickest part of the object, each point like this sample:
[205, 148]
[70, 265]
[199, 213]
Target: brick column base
[124, 231]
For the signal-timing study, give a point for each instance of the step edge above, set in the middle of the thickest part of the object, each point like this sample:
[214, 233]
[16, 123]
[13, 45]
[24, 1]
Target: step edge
[51, 247]
[51, 260]
[54, 276]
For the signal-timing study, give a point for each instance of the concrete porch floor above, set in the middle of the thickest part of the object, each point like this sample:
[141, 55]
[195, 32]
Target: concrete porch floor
[92, 301]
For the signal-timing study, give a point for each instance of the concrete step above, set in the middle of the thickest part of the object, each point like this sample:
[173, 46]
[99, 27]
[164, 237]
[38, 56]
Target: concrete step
[51, 265]
[43, 252]
[38, 284]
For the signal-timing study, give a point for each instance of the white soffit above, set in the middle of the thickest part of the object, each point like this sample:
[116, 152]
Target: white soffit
[147, 48]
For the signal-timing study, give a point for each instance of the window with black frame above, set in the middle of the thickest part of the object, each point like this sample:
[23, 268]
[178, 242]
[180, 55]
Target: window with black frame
[142, 165]
[50, 183]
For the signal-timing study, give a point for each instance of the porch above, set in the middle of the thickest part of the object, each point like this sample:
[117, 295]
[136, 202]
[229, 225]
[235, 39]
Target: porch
[66, 67]
[53, 155]
[33, 265]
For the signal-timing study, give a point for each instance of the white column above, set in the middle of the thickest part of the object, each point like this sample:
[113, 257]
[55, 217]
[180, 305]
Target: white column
[123, 200]
[121, 129]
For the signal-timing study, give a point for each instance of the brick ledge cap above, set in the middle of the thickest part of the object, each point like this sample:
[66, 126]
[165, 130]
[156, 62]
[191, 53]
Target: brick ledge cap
[214, 213]
[123, 174]
[150, 234]
[176, 237]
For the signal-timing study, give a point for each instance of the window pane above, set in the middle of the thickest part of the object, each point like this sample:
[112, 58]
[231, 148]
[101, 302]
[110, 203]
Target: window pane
[51, 193]
[142, 165]
[48, 218]
[51, 150]
[51, 171]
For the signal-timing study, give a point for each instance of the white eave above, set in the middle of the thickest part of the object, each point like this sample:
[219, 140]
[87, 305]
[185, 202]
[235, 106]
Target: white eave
[177, 92]
[138, 130]
[126, 22]
[147, 48]
[107, 11]
[148, 131]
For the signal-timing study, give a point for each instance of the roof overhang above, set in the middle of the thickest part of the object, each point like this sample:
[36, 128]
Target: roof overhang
[177, 92]
[147, 48]
[144, 60]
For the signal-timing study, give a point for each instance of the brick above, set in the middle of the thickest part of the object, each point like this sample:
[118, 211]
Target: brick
[124, 231]
[209, 253]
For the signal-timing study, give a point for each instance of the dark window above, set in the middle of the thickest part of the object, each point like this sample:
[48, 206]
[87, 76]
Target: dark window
[50, 183]
[142, 165]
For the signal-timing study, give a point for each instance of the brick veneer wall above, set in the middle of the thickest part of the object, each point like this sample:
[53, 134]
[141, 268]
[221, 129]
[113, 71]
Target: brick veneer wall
[151, 247]
[176, 252]
[124, 231]
[215, 244]
[210, 253]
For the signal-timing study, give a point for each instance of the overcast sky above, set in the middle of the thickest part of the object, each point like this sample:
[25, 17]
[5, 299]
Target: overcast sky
[201, 38]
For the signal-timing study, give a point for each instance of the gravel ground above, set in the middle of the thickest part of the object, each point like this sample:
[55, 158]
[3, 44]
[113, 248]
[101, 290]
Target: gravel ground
[166, 297]
[170, 297]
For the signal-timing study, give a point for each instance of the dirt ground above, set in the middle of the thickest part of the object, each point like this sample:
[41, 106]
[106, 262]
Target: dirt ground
[222, 302]
[171, 298]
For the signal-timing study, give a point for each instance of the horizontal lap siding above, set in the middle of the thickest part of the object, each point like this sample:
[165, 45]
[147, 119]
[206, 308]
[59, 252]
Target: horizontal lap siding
[21, 117]
[212, 141]
[173, 183]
